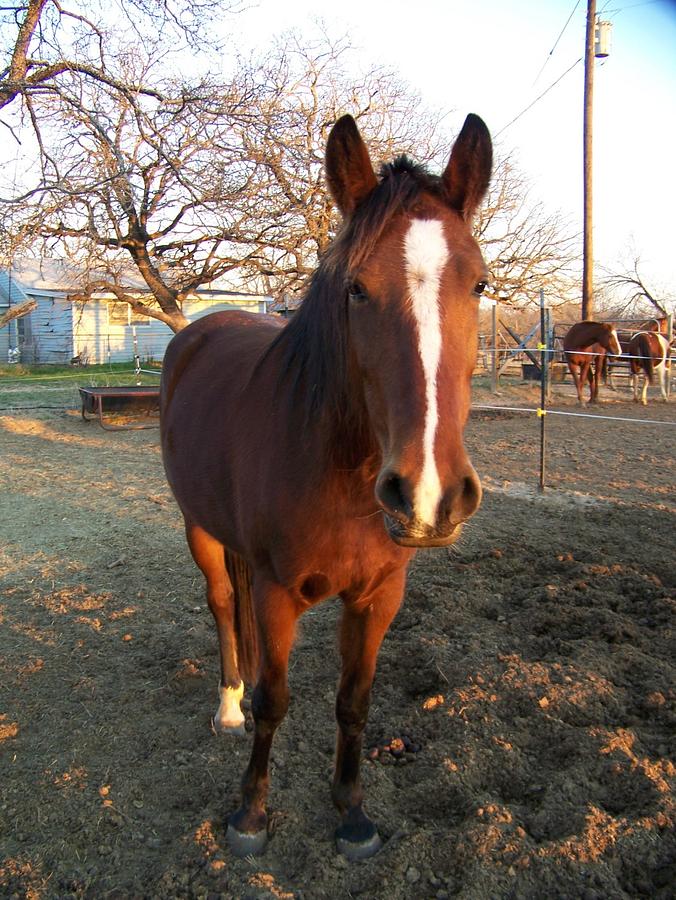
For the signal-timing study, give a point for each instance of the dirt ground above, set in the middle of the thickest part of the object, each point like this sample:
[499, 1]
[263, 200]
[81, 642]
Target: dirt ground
[531, 671]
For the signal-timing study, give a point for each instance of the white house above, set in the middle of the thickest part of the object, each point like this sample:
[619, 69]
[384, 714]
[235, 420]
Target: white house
[100, 330]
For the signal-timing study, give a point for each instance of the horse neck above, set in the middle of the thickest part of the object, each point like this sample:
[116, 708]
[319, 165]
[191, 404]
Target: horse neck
[320, 379]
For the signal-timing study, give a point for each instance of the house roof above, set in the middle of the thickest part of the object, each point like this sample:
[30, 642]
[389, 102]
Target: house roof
[60, 275]
[11, 292]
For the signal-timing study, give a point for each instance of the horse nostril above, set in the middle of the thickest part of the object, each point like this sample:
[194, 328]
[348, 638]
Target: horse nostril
[471, 494]
[463, 500]
[393, 492]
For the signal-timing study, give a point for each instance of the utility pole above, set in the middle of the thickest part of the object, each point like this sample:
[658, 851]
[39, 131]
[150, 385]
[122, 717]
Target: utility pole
[587, 242]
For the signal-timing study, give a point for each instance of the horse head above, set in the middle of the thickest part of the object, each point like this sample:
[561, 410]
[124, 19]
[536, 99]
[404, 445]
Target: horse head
[612, 343]
[412, 275]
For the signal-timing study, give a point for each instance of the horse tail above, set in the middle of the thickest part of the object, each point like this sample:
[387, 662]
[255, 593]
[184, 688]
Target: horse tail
[246, 630]
[645, 352]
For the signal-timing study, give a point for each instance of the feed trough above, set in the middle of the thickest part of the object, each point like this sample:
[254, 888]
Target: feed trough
[124, 399]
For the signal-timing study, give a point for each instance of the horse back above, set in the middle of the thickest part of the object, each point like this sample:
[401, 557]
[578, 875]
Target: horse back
[240, 336]
[585, 336]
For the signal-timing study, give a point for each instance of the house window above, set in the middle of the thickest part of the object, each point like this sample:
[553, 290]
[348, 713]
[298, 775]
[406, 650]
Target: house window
[123, 314]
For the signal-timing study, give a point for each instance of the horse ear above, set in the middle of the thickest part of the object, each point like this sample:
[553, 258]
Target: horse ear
[468, 173]
[348, 166]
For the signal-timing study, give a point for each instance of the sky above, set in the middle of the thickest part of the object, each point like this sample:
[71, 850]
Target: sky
[495, 58]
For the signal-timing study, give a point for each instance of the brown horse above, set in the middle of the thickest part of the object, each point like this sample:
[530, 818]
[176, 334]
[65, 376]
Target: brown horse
[649, 353]
[586, 345]
[311, 460]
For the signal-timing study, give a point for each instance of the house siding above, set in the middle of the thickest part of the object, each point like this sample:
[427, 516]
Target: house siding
[97, 341]
[11, 294]
[4, 338]
[58, 330]
[51, 330]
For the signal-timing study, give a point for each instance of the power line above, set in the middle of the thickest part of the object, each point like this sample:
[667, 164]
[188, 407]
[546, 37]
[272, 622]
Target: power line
[619, 9]
[549, 55]
[531, 105]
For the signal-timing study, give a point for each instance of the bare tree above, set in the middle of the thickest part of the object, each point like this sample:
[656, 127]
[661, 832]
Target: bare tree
[132, 180]
[527, 247]
[630, 292]
[46, 41]
[190, 183]
[304, 86]
[139, 174]
[103, 124]
[17, 311]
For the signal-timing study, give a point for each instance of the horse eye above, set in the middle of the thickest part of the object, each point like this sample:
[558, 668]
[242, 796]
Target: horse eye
[356, 293]
[480, 287]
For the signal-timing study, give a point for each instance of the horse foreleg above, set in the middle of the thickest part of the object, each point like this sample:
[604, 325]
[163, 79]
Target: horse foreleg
[276, 613]
[663, 373]
[575, 371]
[592, 374]
[364, 624]
[584, 377]
[208, 554]
[595, 369]
[634, 384]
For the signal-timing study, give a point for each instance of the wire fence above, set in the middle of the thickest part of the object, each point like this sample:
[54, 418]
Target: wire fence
[30, 392]
[542, 359]
[60, 391]
[576, 415]
[554, 352]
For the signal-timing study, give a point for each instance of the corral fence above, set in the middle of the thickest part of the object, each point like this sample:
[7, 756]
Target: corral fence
[539, 353]
[547, 359]
[504, 351]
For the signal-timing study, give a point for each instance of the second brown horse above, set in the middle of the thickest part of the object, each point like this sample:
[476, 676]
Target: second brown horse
[586, 345]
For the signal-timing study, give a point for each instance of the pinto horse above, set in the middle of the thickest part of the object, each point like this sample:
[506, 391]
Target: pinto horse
[649, 353]
[585, 346]
[310, 460]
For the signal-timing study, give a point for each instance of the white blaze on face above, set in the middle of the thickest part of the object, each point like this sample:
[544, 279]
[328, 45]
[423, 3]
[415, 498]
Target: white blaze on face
[426, 254]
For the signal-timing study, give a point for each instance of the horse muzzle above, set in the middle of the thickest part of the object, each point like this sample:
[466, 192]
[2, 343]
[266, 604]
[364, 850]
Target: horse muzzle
[405, 525]
[419, 536]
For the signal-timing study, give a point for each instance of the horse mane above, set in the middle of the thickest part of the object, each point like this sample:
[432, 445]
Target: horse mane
[314, 346]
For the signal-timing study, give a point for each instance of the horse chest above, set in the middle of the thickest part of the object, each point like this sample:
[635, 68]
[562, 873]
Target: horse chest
[345, 555]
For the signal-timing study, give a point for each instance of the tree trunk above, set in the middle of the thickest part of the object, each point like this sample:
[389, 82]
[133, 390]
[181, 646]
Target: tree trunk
[15, 312]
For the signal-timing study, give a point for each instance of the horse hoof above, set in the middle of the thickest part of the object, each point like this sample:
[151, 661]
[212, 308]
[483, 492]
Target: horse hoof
[243, 844]
[358, 849]
[236, 729]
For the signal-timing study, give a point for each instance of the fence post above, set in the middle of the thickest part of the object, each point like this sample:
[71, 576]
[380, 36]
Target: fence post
[542, 412]
[137, 358]
[550, 351]
[670, 337]
[494, 330]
